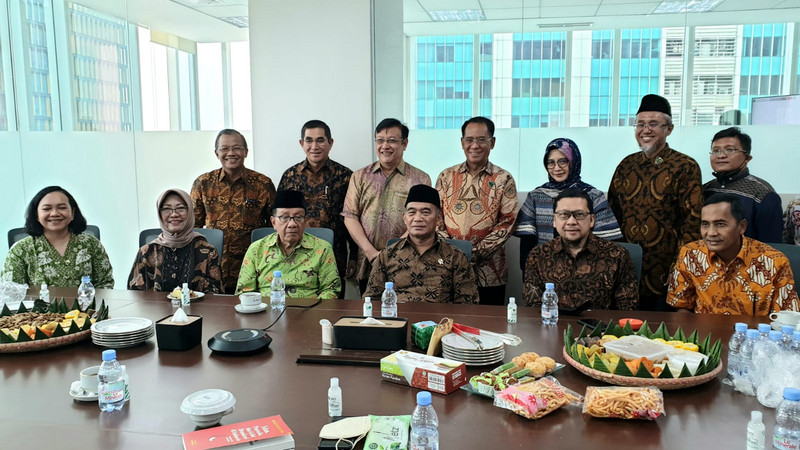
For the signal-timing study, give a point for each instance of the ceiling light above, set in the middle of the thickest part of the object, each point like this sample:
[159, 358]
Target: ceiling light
[686, 6]
[239, 21]
[457, 15]
[567, 25]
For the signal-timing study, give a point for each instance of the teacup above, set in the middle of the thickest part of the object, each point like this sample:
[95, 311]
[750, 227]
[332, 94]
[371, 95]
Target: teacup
[786, 317]
[89, 380]
[250, 300]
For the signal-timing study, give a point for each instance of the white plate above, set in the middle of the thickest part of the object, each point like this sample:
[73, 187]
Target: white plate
[192, 297]
[777, 325]
[459, 343]
[77, 392]
[138, 337]
[260, 308]
[471, 362]
[121, 325]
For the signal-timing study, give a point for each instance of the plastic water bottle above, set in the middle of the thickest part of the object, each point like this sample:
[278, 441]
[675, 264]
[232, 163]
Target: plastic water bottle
[766, 376]
[756, 433]
[742, 381]
[186, 298]
[734, 345]
[511, 313]
[44, 293]
[277, 298]
[334, 398]
[111, 388]
[763, 331]
[85, 292]
[367, 306]
[787, 418]
[389, 301]
[795, 348]
[424, 425]
[549, 305]
[787, 338]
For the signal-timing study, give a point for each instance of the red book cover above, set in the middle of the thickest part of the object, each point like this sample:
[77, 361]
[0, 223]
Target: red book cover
[237, 433]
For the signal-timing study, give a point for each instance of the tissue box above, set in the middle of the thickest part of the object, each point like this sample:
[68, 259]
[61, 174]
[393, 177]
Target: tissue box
[349, 333]
[179, 336]
[424, 372]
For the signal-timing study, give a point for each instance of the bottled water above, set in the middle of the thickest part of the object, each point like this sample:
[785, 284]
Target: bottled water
[549, 305]
[389, 301]
[767, 377]
[111, 388]
[734, 345]
[795, 347]
[787, 338]
[787, 418]
[85, 292]
[424, 425]
[741, 380]
[186, 295]
[334, 398]
[44, 293]
[756, 433]
[277, 297]
[763, 331]
[367, 306]
[512, 310]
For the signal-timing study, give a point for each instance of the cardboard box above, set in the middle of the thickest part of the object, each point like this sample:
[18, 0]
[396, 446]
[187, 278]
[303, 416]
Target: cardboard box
[349, 333]
[424, 372]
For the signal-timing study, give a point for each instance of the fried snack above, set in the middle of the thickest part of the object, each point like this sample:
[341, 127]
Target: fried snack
[548, 362]
[536, 399]
[519, 361]
[624, 402]
[530, 356]
[537, 369]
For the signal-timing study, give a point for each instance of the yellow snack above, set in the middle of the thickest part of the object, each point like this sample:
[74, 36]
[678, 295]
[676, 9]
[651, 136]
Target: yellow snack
[530, 356]
[676, 344]
[691, 347]
[548, 362]
[537, 369]
[72, 314]
[608, 337]
[660, 340]
[519, 361]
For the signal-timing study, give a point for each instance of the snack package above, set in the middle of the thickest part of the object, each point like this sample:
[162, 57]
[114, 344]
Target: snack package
[421, 333]
[388, 433]
[624, 402]
[536, 399]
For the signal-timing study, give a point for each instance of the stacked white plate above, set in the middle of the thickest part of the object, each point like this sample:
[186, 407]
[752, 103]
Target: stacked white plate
[122, 332]
[458, 348]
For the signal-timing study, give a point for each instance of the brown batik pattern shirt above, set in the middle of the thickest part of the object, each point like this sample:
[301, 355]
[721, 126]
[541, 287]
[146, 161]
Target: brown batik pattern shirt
[602, 274]
[440, 275]
[324, 194]
[237, 209]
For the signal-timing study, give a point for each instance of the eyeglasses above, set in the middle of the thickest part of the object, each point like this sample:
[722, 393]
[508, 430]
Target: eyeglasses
[232, 149]
[578, 215]
[170, 211]
[390, 141]
[319, 140]
[563, 162]
[481, 141]
[285, 219]
[649, 125]
[728, 151]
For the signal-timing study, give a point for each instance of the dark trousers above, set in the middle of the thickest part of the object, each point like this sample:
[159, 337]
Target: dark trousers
[362, 286]
[492, 295]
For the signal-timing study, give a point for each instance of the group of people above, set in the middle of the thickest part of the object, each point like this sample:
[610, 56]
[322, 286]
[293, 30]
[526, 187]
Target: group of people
[390, 224]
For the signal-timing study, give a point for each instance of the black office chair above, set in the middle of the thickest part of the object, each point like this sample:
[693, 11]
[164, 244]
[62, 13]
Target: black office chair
[635, 250]
[793, 253]
[326, 234]
[461, 244]
[213, 236]
[17, 234]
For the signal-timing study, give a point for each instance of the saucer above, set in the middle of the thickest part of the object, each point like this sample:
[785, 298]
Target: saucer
[79, 394]
[262, 307]
[777, 325]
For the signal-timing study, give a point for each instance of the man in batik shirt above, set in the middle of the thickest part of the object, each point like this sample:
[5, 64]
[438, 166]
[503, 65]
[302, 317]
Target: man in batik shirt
[375, 201]
[479, 204]
[656, 196]
[728, 273]
[324, 182]
[233, 199]
[588, 272]
[423, 266]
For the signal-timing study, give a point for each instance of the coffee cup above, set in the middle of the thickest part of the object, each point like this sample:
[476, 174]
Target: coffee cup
[89, 380]
[786, 317]
[250, 300]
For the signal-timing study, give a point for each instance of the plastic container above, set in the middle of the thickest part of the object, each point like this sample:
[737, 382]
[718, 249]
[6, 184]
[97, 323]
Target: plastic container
[186, 294]
[424, 425]
[511, 313]
[755, 432]
[742, 381]
[763, 331]
[208, 406]
[44, 293]
[795, 347]
[787, 337]
[389, 301]
[367, 306]
[734, 345]
[85, 292]
[786, 434]
[549, 305]
[690, 358]
[632, 347]
[277, 296]
[335, 398]
[111, 386]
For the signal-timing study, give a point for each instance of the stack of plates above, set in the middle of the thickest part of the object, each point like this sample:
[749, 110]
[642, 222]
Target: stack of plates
[458, 348]
[122, 332]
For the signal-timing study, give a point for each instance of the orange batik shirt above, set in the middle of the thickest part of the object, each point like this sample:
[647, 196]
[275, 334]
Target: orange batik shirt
[756, 282]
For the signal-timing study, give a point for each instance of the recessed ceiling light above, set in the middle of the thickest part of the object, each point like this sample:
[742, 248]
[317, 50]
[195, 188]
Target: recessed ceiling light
[685, 6]
[239, 21]
[567, 25]
[457, 15]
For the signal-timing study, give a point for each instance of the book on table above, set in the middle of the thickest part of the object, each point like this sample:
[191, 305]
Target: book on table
[266, 433]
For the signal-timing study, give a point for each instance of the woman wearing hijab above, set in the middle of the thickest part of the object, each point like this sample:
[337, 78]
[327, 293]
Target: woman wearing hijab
[178, 255]
[562, 160]
[57, 252]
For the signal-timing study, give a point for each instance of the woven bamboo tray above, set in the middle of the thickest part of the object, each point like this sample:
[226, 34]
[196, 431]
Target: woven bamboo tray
[661, 383]
[44, 344]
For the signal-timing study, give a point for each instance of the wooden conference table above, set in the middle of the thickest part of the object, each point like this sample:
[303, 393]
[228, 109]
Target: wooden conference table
[37, 409]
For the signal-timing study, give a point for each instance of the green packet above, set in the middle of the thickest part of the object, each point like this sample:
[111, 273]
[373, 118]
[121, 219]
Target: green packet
[421, 333]
[388, 433]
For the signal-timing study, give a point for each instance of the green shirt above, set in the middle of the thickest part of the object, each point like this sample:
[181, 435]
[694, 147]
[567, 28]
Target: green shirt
[33, 260]
[309, 272]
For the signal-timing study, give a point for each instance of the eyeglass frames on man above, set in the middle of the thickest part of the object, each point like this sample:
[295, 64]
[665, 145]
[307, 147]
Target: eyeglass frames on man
[297, 219]
[650, 125]
[578, 215]
[727, 151]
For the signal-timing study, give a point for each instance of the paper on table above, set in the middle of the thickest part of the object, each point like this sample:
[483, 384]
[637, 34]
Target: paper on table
[371, 321]
[179, 316]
